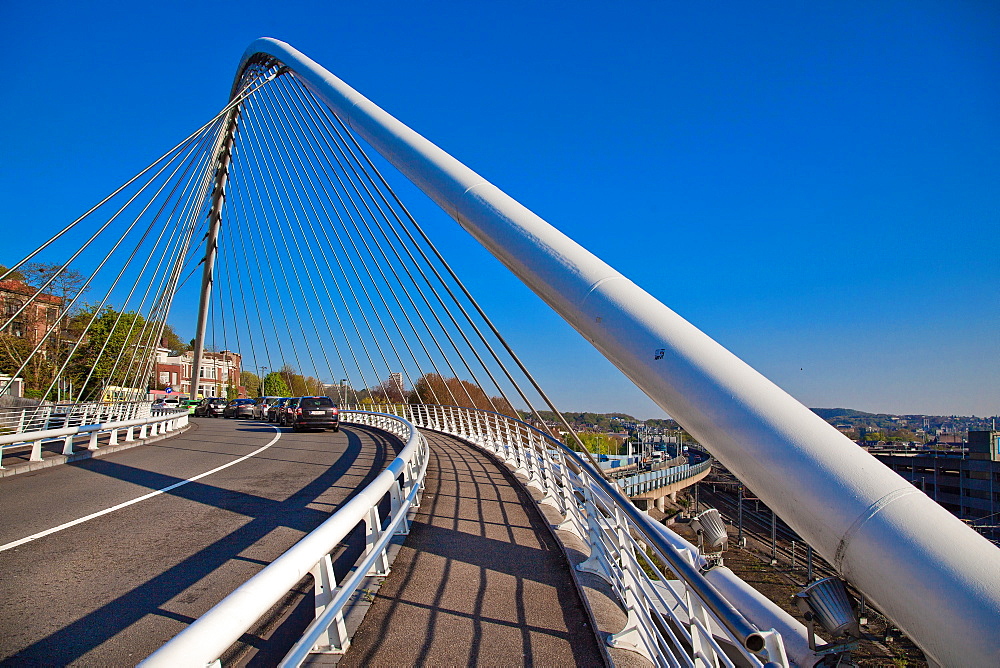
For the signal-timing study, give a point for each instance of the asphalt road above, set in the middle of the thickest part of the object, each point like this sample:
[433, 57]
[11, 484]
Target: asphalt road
[109, 590]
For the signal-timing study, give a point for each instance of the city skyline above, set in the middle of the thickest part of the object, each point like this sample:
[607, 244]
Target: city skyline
[813, 189]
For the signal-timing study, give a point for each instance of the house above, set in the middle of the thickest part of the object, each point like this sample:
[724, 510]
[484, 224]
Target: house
[33, 322]
[220, 372]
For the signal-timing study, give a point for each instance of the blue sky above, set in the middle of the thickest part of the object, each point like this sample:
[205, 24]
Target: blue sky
[815, 185]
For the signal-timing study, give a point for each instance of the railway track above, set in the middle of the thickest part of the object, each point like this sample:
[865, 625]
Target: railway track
[784, 545]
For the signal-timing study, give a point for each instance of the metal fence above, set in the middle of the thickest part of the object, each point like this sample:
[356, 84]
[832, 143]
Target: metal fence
[202, 643]
[19, 419]
[676, 617]
[65, 423]
[640, 483]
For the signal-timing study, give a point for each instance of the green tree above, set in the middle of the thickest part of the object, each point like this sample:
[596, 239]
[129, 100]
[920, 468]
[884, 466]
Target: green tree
[14, 275]
[112, 342]
[251, 383]
[275, 385]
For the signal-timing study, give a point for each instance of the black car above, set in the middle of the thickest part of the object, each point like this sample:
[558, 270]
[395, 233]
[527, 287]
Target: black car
[312, 413]
[274, 410]
[239, 408]
[210, 407]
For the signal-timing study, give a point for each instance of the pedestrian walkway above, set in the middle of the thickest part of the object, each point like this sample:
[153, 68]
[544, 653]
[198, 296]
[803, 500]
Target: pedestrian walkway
[480, 580]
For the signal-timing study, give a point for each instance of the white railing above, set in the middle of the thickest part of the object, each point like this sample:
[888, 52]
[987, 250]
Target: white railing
[14, 420]
[676, 616]
[117, 418]
[202, 643]
[647, 481]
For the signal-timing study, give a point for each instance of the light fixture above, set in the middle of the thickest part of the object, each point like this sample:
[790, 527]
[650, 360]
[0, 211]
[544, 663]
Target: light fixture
[826, 602]
[712, 535]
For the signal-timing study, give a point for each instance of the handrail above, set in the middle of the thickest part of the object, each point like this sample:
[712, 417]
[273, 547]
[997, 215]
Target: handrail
[18, 419]
[204, 641]
[543, 461]
[165, 422]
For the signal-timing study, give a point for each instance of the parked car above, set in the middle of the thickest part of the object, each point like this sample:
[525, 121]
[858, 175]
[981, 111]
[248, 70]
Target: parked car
[261, 406]
[210, 407]
[239, 408]
[189, 405]
[274, 410]
[312, 413]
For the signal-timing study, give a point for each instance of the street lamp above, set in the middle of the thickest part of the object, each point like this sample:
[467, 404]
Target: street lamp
[343, 391]
[263, 374]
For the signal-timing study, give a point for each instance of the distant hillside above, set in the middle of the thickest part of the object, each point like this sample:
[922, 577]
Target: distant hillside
[613, 422]
[846, 413]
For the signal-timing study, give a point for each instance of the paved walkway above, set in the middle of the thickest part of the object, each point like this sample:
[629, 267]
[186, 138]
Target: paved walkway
[480, 580]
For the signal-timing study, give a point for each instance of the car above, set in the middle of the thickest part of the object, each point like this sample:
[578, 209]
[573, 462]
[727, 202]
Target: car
[312, 413]
[284, 410]
[210, 407]
[261, 406]
[159, 405]
[239, 408]
[274, 410]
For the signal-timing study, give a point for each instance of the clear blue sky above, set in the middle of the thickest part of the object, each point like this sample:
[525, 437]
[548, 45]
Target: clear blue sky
[815, 185]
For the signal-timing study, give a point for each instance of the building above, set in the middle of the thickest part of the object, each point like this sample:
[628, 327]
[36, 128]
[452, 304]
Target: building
[34, 322]
[220, 373]
[967, 484]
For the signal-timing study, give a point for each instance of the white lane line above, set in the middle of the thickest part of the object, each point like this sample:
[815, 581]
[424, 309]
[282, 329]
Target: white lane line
[112, 509]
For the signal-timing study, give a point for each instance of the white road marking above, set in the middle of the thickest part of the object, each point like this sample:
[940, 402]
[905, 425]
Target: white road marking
[112, 509]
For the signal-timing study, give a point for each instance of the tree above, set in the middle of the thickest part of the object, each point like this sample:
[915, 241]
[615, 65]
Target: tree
[14, 275]
[275, 386]
[173, 342]
[114, 350]
[251, 382]
[432, 388]
[67, 285]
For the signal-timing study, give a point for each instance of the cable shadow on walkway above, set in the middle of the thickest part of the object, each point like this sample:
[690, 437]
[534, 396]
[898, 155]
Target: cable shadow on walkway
[480, 579]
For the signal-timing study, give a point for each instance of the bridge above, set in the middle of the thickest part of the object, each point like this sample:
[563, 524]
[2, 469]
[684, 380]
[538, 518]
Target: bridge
[439, 524]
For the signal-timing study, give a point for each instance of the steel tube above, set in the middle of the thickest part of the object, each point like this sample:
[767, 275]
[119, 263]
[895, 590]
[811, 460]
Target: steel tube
[935, 577]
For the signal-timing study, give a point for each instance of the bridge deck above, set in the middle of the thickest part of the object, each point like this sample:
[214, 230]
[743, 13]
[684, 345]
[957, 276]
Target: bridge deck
[480, 579]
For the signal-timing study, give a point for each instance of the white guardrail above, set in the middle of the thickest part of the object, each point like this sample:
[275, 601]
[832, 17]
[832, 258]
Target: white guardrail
[37, 424]
[202, 643]
[676, 613]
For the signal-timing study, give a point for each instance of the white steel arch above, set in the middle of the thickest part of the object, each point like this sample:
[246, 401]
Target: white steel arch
[937, 578]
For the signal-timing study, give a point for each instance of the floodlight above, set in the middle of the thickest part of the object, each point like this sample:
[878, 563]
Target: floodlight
[711, 531]
[826, 601]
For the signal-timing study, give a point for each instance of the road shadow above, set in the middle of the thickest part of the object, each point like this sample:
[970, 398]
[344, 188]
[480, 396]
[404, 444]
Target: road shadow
[103, 624]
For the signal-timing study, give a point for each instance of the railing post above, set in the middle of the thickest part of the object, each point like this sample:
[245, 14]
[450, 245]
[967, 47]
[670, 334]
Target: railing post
[373, 531]
[700, 645]
[571, 507]
[36, 451]
[597, 562]
[396, 499]
[113, 438]
[334, 638]
[92, 444]
[636, 636]
[130, 434]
